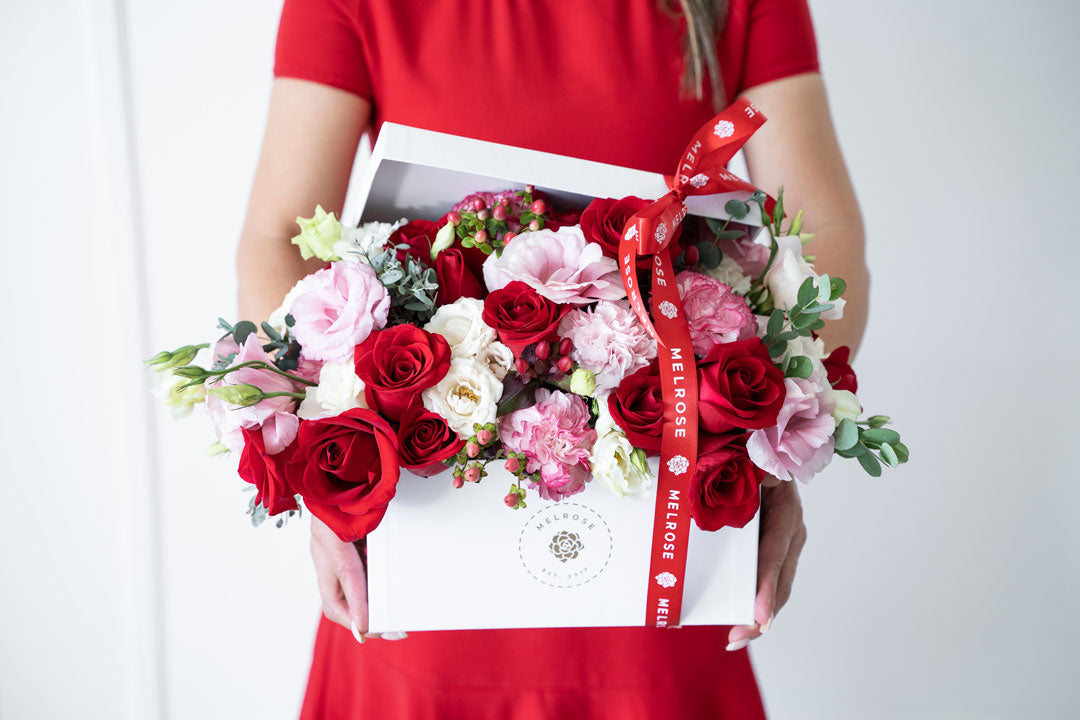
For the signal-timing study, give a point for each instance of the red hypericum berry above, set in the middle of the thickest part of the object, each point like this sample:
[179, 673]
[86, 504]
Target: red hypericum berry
[534, 225]
[454, 218]
[564, 364]
[478, 204]
[483, 436]
[458, 482]
[539, 207]
[513, 464]
[472, 449]
[530, 189]
[499, 213]
[565, 346]
[522, 366]
[508, 237]
[472, 474]
[483, 215]
[692, 255]
[480, 237]
[511, 500]
[543, 350]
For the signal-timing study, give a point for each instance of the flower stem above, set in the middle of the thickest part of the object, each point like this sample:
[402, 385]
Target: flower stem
[298, 396]
[266, 366]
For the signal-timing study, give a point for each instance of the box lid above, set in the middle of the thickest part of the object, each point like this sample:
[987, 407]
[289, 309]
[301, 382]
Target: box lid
[417, 173]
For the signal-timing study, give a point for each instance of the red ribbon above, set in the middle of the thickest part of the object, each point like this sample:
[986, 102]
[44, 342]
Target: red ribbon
[702, 171]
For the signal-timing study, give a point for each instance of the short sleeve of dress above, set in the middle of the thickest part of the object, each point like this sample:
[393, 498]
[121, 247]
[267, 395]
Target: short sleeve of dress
[779, 41]
[319, 40]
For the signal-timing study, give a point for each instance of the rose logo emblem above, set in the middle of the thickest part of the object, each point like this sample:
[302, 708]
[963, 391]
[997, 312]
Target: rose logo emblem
[668, 309]
[678, 465]
[565, 545]
[700, 180]
[724, 129]
[666, 580]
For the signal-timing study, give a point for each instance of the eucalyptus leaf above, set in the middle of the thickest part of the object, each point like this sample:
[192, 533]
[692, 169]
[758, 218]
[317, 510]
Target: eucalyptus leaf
[870, 464]
[270, 332]
[846, 435]
[881, 436]
[776, 321]
[799, 367]
[708, 254]
[901, 451]
[241, 331]
[736, 209]
[807, 292]
[714, 225]
[888, 455]
[777, 349]
[392, 276]
[289, 320]
[818, 308]
[838, 288]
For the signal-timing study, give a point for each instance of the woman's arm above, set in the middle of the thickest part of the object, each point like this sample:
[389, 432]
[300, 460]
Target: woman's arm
[311, 138]
[797, 148]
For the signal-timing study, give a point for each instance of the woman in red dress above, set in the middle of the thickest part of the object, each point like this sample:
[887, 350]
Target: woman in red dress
[625, 82]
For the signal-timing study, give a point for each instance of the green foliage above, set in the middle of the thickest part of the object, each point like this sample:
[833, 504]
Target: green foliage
[870, 443]
[412, 285]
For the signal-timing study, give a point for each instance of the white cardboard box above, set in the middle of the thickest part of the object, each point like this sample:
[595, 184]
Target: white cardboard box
[446, 559]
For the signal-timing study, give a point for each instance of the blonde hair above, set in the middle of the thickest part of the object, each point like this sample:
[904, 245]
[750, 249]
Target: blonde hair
[704, 21]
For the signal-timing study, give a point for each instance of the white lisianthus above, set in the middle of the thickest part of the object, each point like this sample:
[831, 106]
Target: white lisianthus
[788, 272]
[339, 389]
[618, 466]
[462, 324]
[368, 239]
[729, 273]
[277, 318]
[180, 402]
[498, 358]
[468, 394]
[847, 406]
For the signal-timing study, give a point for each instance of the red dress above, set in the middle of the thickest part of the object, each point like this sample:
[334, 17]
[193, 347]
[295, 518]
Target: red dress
[596, 79]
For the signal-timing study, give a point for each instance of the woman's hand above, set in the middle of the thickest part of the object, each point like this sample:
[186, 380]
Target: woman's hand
[342, 581]
[783, 535]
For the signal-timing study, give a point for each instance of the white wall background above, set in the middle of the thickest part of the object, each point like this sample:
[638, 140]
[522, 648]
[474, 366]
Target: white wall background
[131, 585]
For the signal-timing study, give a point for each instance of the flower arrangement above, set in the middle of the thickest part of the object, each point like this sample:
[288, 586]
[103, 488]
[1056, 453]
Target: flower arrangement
[501, 333]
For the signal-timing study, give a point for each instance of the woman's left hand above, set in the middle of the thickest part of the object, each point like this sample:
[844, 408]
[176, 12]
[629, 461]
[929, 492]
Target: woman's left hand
[783, 535]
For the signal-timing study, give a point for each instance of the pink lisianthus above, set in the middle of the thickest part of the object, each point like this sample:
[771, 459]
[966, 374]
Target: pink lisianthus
[560, 265]
[801, 443]
[714, 312]
[274, 416]
[555, 437]
[337, 309]
[751, 256]
[608, 341]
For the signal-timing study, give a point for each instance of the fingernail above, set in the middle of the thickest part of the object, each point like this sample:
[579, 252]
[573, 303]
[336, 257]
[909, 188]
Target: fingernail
[738, 644]
[767, 624]
[356, 633]
[394, 635]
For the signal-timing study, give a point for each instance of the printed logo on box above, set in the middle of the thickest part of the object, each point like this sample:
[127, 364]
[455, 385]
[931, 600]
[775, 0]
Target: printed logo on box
[565, 545]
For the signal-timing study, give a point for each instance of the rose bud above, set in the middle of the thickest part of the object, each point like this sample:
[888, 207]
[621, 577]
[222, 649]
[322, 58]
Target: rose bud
[472, 449]
[565, 346]
[472, 474]
[478, 204]
[543, 350]
[513, 464]
[539, 207]
[484, 436]
[499, 213]
[511, 500]
[564, 364]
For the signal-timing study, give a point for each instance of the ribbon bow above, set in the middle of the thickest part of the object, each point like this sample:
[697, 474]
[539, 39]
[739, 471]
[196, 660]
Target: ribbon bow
[702, 170]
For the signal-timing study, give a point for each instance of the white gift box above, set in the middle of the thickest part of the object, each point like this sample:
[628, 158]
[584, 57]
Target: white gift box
[459, 559]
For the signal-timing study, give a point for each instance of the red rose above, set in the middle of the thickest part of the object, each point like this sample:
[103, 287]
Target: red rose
[346, 469]
[521, 316]
[426, 440]
[397, 363]
[724, 491]
[604, 219]
[267, 473]
[841, 376]
[637, 406]
[456, 279]
[419, 236]
[739, 387]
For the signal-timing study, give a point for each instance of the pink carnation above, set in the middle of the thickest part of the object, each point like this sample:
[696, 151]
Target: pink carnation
[715, 313]
[559, 264]
[609, 341]
[801, 443]
[555, 437]
[274, 416]
[337, 309]
[750, 256]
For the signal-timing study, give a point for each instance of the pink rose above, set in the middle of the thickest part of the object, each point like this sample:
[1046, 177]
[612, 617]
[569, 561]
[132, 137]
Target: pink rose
[715, 313]
[560, 265]
[751, 256]
[609, 341]
[555, 437]
[801, 442]
[337, 309]
[274, 416]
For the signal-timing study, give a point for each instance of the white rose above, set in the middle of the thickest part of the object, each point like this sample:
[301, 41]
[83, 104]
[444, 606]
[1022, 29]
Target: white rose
[729, 273]
[613, 462]
[277, 318]
[339, 389]
[788, 272]
[365, 240]
[498, 358]
[463, 327]
[468, 394]
[847, 406]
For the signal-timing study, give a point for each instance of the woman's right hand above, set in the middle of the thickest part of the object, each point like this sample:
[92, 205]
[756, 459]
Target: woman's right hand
[342, 578]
